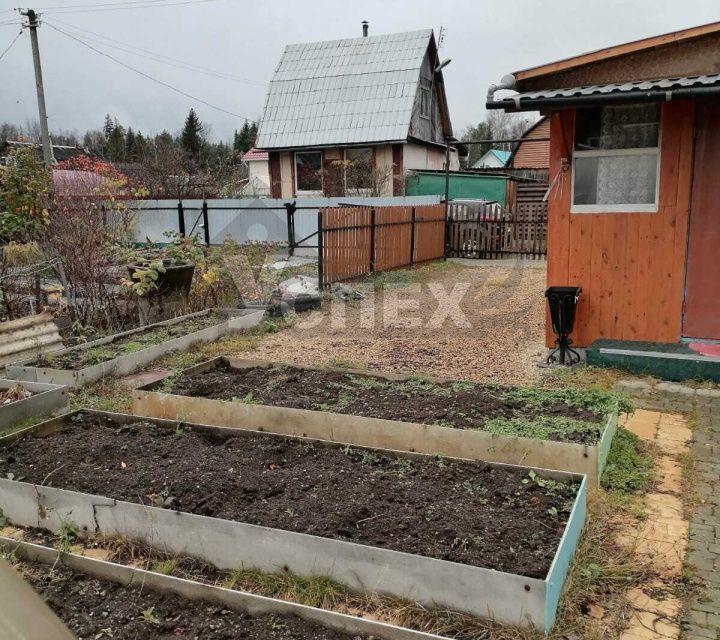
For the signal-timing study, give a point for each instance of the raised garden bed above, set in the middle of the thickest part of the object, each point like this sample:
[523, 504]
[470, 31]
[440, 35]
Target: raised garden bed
[492, 540]
[125, 352]
[22, 400]
[98, 599]
[566, 430]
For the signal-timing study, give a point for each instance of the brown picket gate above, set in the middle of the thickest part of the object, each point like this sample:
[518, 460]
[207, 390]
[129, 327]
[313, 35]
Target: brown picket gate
[489, 232]
[356, 241]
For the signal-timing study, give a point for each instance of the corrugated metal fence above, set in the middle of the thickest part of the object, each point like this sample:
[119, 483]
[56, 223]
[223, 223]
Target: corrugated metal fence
[355, 241]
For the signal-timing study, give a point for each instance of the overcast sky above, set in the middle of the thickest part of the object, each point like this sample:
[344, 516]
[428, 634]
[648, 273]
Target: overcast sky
[244, 39]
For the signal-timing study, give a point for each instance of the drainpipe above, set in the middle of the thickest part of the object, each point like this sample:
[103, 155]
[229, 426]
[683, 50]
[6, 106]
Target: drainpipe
[507, 82]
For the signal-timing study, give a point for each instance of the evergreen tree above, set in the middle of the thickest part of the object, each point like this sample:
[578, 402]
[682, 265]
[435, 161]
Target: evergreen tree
[108, 126]
[191, 137]
[164, 139]
[130, 145]
[253, 135]
[141, 147]
[242, 143]
[116, 144]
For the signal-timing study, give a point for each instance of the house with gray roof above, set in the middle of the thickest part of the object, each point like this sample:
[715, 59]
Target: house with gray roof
[354, 116]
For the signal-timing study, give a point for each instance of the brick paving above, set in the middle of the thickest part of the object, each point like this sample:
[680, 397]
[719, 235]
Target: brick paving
[702, 618]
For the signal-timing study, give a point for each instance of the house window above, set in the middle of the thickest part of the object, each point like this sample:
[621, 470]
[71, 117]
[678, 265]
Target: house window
[425, 101]
[308, 171]
[616, 160]
[358, 171]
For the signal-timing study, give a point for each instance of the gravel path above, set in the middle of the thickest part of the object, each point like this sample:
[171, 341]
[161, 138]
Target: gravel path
[498, 338]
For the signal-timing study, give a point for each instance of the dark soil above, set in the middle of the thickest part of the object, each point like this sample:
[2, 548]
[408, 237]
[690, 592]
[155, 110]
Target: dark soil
[93, 608]
[468, 512]
[81, 358]
[461, 405]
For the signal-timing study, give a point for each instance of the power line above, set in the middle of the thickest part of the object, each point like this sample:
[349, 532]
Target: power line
[145, 75]
[166, 3]
[97, 4]
[2, 55]
[105, 41]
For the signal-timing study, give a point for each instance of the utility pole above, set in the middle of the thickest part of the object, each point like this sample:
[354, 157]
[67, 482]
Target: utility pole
[33, 24]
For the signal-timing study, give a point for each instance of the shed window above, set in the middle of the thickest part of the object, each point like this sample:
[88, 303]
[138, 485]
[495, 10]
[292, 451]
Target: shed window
[358, 170]
[616, 158]
[425, 100]
[308, 171]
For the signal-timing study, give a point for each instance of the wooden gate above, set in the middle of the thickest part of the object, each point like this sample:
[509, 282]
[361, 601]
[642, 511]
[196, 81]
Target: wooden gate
[487, 231]
[355, 241]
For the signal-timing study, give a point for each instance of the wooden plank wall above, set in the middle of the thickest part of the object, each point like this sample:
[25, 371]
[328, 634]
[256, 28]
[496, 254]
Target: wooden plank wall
[631, 266]
[429, 232]
[346, 243]
[348, 234]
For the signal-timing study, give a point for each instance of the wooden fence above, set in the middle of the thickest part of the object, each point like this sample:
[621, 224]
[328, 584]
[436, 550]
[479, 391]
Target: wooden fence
[487, 231]
[355, 241]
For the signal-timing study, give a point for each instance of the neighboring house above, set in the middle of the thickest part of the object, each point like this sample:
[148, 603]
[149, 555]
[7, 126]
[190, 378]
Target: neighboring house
[60, 152]
[352, 117]
[533, 152]
[492, 159]
[634, 189]
[258, 180]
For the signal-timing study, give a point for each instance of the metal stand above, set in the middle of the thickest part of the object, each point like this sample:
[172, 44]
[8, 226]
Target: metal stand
[567, 355]
[563, 302]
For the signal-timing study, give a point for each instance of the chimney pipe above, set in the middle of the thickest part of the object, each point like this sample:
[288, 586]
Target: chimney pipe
[366, 27]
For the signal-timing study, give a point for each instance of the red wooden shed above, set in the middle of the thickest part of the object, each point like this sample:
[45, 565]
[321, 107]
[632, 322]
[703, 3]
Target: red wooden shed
[634, 197]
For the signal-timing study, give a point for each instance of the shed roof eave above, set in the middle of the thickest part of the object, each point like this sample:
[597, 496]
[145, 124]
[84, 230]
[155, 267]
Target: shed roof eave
[522, 102]
[616, 51]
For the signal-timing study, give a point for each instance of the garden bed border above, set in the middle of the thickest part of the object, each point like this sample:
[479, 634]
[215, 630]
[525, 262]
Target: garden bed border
[46, 399]
[504, 597]
[252, 604]
[374, 432]
[236, 320]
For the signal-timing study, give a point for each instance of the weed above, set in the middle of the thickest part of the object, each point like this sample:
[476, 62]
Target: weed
[551, 487]
[166, 567]
[150, 617]
[341, 363]
[291, 512]
[24, 424]
[367, 382]
[598, 401]
[106, 395]
[322, 407]
[629, 467]
[344, 400]
[543, 427]
[162, 499]
[246, 399]
[66, 536]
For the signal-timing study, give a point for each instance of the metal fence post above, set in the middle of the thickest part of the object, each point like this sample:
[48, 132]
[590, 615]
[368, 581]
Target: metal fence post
[412, 237]
[321, 285]
[181, 219]
[290, 209]
[206, 223]
[372, 240]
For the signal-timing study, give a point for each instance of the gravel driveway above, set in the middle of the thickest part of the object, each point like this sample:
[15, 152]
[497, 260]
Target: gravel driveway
[470, 319]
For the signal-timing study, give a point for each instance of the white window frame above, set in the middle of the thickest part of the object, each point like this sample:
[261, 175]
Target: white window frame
[361, 192]
[313, 192]
[603, 153]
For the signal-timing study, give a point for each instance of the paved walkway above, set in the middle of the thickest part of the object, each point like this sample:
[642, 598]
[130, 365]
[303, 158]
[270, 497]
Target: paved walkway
[702, 619]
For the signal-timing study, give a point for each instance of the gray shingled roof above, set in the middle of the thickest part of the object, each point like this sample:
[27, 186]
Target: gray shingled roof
[350, 91]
